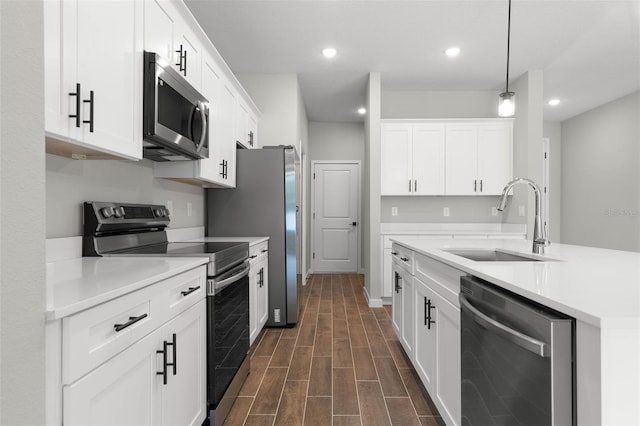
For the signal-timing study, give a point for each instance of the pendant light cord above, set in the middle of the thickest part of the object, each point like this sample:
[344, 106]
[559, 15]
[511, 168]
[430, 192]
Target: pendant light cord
[508, 42]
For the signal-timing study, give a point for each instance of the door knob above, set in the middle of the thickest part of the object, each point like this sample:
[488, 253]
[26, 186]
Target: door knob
[354, 223]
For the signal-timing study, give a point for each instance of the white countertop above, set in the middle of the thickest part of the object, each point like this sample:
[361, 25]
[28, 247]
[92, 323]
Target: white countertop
[80, 283]
[598, 286]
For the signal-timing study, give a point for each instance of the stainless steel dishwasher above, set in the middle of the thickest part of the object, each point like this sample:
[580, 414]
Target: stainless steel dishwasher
[517, 359]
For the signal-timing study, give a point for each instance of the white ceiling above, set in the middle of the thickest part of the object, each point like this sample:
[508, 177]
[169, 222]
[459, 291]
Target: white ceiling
[589, 50]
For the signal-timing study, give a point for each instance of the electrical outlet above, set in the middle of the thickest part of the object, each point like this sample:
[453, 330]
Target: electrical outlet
[521, 211]
[445, 212]
[189, 209]
[494, 211]
[394, 211]
[276, 315]
[170, 207]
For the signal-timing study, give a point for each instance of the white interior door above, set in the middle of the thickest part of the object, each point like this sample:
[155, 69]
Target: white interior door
[336, 195]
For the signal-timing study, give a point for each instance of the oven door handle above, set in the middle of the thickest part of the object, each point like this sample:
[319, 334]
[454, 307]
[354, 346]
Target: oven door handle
[526, 342]
[234, 275]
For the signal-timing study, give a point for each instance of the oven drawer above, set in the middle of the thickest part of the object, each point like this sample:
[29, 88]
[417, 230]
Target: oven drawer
[91, 337]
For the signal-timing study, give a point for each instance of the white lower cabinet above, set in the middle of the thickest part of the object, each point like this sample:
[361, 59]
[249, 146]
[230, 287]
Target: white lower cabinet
[437, 350]
[159, 380]
[258, 289]
[403, 321]
[427, 322]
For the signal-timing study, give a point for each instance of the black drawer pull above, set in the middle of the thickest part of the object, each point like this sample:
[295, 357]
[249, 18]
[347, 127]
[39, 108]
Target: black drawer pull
[265, 250]
[132, 320]
[189, 291]
[395, 253]
[253, 257]
[404, 259]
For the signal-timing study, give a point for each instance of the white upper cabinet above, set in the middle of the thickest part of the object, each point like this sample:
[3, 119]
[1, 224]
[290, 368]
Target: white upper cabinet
[412, 161]
[158, 28]
[188, 52]
[479, 157]
[246, 125]
[93, 78]
[446, 157]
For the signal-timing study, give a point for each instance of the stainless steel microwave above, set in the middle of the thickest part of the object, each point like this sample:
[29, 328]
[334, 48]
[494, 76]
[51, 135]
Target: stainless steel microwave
[176, 116]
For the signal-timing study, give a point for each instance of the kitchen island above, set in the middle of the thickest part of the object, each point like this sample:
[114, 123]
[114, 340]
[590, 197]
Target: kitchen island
[599, 288]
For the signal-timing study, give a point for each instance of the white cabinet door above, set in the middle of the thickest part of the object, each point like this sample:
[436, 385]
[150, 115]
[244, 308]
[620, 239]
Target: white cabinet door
[461, 160]
[210, 168]
[428, 159]
[262, 299]
[448, 387]
[425, 344]
[98, 77]
[395, 164]
[253, 130]
[188, 52]
[227, 141]
[123, 391]
[408, 317]
[494, 157]
[242, 123]
[158, 28]
[184, 397]
[253, 301]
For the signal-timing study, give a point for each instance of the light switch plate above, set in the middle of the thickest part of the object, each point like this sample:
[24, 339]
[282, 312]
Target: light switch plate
[445, 212]
[394, 211]
[189, 209]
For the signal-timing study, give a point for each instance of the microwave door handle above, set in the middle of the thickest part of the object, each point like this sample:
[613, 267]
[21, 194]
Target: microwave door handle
[204, 126]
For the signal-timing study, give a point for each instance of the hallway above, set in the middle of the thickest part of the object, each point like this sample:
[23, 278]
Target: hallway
[342, 365]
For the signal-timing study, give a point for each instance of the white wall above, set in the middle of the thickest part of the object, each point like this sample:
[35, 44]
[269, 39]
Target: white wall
[553, 131]
[71, 182]
[22, 223]
[601, 176]
[371, 192]
[527, 146]
[336, 141]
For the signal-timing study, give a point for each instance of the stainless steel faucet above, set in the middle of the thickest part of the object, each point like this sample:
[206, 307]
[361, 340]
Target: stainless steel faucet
[539, 235]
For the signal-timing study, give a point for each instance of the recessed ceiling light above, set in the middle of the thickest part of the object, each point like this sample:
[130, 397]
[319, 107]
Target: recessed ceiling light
[452, 52]
[554, 102]
[329, 52]
[362, 110]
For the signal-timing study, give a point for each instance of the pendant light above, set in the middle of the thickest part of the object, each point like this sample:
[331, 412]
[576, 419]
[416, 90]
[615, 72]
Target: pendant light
[507, 102]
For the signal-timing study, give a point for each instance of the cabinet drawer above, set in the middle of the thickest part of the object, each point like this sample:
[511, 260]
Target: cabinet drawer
[442, 278]
[89, 338]
[403, 257]
[184, 291]
[259, 249]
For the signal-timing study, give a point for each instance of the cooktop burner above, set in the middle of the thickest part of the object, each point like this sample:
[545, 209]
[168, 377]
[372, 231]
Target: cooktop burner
[124, 229]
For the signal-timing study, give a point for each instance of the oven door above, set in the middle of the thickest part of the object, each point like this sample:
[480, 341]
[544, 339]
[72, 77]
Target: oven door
[176, 116]
[227, 329]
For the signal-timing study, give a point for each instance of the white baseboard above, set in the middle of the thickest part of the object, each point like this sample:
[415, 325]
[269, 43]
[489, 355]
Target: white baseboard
[373, 303]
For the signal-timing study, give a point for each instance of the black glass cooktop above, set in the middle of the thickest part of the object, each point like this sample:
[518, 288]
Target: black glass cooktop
[189, 249]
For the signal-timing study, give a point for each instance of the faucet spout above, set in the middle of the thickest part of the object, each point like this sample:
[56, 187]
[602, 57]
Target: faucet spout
[540, 240]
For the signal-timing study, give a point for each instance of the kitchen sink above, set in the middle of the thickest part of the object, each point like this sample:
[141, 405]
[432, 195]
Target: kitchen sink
[488, 255]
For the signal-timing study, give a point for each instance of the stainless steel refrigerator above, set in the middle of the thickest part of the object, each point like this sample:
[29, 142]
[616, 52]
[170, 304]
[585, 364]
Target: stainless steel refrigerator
[264, 204]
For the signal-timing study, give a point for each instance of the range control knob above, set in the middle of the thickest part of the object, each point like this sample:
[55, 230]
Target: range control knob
[166, 212]
[118, 212]
[107, 212]
[158, 213]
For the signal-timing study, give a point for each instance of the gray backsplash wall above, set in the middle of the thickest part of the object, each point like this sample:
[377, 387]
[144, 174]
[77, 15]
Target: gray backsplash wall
[71, 182]
[430, 209]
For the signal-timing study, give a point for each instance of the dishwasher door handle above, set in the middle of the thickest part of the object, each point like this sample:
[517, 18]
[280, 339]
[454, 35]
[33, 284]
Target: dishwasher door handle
[526, 342]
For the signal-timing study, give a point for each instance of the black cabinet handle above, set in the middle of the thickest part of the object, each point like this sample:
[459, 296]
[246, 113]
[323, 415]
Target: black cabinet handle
[77, 114]
[480, 185]
[90, 120]
[265, 250]
[395, 253]
[429, 321]
[182, 56]
[475, 185]
[132, 320]
[251, 138]
[163, 373]
[409, 185]
[415, 185]
[426, 316]
[253, 257]
[404, 259]
[174, 346]
[397, 282]
[189, 291]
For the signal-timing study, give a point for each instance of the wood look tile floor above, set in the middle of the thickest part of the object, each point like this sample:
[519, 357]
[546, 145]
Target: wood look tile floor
[341, 365]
